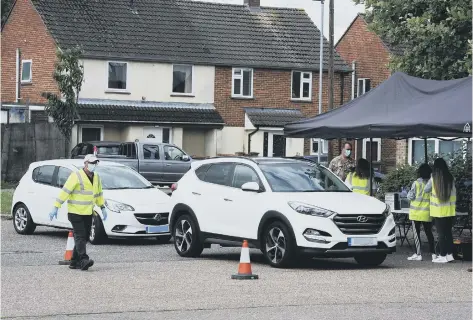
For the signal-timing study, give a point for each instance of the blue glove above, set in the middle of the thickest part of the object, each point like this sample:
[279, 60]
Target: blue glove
[104, 213]
[53, 214]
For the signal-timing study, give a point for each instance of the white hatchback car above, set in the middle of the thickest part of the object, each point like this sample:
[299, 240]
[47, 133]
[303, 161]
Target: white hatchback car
[135, 207]
[284, 207]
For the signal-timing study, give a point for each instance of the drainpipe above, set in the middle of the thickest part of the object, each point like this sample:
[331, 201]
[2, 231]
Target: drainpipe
[249, 139]
[353, 80]
[18, 76]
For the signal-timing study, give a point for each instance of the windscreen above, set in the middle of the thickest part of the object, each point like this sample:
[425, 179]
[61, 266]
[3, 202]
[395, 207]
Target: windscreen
[117, 177]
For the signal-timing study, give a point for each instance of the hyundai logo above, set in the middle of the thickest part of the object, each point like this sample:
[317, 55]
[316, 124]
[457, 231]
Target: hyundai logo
[361, 219]
[157, 217]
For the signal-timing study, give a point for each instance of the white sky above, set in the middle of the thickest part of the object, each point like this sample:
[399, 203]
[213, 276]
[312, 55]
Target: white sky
[344, 11]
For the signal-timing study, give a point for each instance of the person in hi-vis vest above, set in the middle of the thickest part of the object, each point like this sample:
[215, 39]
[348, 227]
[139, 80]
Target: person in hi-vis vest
[443, 207]
[419, 211]
[359, 180]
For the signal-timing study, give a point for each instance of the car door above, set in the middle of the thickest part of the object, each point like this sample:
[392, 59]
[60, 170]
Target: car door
[242, 212]
[210, 193]
[150, 163]
[63, 174]
[44, 194]
[175, 164]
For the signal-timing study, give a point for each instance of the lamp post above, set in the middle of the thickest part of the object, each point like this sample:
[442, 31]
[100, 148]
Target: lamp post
[321, 68]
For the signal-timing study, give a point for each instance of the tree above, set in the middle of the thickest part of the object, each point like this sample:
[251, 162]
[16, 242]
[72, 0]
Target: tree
[6, 7]
[434, 34]
[69, 75]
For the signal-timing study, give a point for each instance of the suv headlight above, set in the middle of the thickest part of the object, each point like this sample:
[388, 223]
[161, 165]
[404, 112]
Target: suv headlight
[118, 206]
[387, 211]
[309, 209]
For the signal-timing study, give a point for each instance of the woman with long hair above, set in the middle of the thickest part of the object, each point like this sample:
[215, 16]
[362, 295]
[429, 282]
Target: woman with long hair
[443, 207]
[419, 211]
[359, 180]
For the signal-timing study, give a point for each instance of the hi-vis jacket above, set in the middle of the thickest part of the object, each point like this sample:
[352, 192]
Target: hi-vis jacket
[80, 194]
[420, 203]
[443, 209]
[359, 185]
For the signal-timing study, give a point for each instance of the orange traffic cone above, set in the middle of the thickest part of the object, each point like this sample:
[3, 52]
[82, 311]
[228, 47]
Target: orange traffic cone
[69, 249]
[244, 268]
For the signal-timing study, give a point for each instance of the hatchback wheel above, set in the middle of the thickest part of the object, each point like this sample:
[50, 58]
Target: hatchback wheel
[278, 245]
[97, 231]
[22, 220]
[186, 237]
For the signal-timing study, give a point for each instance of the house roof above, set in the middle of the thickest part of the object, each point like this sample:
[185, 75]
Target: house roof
[184, 31]
[273, 117]
[148, 112]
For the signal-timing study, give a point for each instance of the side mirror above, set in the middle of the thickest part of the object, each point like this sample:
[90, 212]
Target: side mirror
[185, 158]
[250, 186]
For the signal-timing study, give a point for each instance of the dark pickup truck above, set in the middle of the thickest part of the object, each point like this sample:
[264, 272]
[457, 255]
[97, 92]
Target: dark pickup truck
[160, 163]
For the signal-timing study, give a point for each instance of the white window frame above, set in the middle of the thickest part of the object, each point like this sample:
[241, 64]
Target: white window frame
[234, 77]
[378, 140]
[363, 80]
[191, 94]
[302, 85]
[113, 90]
[91, 126]
[436, 148]
[31, 71]
[324, 146]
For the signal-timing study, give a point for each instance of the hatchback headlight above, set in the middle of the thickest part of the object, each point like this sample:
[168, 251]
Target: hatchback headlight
[118, 206]
[309, 209]
[387, 211]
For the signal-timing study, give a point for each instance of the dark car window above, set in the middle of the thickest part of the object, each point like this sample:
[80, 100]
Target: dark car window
[62, 175]
[244, 174]
[44, 174]
[150, 152]
[84, 150]
[201, 171]
[173, 153]
[220, 173]
[75, 151]
[128, 150]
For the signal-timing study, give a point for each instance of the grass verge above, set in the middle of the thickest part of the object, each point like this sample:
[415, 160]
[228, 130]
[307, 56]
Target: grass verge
[6, 199]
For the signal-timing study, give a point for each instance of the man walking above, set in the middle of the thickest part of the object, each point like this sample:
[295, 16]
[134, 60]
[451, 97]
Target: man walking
[344, 163]
[82, 190]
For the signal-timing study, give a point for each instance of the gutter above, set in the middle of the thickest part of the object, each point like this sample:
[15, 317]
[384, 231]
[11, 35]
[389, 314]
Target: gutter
[249, 138]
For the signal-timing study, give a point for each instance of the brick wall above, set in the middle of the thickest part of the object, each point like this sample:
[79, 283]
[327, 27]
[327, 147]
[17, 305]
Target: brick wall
[25, 30]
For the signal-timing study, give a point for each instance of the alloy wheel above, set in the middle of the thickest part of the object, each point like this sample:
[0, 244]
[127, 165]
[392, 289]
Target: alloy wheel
[275, 245]
[183, 235]
[92, 229]
[21, 219]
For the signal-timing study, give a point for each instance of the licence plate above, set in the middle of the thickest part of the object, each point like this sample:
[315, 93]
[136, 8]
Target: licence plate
[362, 242]
[157, 229]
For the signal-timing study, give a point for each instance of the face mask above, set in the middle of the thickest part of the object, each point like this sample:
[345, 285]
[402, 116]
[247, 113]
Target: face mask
[91, 167]
[347, 153]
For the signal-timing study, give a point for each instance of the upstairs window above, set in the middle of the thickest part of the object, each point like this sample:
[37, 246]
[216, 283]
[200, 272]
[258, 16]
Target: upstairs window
[117, 74]
[301, 85]
[242, 83]
[364, 85]
[182, 79]
[26, 71]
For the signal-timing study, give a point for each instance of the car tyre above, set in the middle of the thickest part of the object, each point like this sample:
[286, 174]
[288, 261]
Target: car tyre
[278, 245]
[163, 239]
[371, 260]
[22, 221]
[97, 231]
[186, 237]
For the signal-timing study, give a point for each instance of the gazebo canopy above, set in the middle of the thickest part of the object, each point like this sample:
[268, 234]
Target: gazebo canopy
[401, 107]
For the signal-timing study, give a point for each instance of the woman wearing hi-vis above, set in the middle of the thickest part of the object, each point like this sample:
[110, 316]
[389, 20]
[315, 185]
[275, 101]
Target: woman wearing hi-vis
[359, 180]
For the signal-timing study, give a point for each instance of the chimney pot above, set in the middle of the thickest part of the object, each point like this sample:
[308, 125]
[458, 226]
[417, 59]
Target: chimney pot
[252, 3]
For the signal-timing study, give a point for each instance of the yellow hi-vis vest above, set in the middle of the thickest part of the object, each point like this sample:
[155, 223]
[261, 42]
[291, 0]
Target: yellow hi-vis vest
[419, 209]
[359, 185]
[442, 209]
[80, 194]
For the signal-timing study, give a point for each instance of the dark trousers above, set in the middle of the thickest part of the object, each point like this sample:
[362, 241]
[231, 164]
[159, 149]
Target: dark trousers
[444, 230]
[81, 225]
[428, 233]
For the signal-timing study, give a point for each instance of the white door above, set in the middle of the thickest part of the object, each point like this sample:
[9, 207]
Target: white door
[62, 216]
[153, 133]
[43, 194]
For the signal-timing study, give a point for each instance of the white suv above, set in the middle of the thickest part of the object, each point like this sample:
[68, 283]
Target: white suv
[284, 207]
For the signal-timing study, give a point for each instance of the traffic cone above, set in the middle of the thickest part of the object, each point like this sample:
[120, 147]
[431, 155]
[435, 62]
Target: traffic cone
[69, 249]
[244, 268]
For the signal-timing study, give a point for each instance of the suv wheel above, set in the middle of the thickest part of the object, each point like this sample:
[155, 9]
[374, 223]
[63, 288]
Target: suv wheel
[278, 245]
[22, 221]
[371, 260]
[186, 238]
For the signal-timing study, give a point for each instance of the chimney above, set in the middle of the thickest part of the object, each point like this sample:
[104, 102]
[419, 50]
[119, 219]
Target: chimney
[252, 3]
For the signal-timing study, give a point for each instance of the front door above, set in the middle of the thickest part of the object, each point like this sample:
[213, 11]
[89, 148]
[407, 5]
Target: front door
[279, 145]
[174, 167]
[153, 133]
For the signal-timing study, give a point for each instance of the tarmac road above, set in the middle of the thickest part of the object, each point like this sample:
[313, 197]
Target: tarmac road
[140, 279]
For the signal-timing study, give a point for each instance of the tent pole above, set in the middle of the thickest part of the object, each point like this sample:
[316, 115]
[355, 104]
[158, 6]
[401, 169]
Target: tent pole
[371, 166]
[425, 150]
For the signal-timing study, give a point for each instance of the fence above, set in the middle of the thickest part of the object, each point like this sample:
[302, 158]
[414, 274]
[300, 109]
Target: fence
[24, 143]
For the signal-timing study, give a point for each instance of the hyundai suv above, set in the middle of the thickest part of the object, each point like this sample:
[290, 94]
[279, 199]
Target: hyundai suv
[285, 207]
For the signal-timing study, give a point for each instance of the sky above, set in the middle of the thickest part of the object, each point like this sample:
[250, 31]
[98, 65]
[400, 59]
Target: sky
[344, 11]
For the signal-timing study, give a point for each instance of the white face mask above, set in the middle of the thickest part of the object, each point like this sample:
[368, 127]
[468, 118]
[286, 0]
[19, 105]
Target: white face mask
[91, 167]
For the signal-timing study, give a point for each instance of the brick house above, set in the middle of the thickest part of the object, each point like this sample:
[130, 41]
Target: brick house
[211, 78]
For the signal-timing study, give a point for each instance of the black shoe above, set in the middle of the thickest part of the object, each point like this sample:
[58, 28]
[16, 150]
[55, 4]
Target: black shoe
[87, 264]
[73, 266]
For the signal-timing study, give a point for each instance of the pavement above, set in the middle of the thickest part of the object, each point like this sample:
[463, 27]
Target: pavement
[141, 279]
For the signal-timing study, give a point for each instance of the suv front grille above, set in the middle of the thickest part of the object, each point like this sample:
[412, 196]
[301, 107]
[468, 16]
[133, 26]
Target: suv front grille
[150, 218]
[350, 224]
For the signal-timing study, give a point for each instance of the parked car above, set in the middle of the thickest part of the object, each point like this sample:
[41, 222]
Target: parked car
[135, 207]
[160, 163]
[284, 207]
